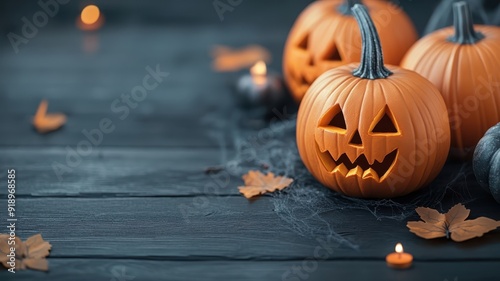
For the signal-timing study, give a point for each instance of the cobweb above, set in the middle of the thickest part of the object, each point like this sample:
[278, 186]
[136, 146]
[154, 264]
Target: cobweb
[483, 12]
[307, 207]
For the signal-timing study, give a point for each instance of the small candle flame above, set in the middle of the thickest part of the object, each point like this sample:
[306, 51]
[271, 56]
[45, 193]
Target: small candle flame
[259, 73]
[399, 248]
[259, 68]
[90, 14]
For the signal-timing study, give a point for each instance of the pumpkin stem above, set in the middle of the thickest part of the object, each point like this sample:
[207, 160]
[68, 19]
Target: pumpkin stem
[372, 58]
[464, 27]
[346, 7]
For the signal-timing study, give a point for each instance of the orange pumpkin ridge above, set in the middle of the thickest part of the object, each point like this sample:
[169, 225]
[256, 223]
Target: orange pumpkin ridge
[372, 130]
[326, 36]
[462, 62]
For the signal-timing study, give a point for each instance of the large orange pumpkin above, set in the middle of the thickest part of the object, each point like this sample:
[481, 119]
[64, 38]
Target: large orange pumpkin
[326, 36]
[464, 63]
[367, 130]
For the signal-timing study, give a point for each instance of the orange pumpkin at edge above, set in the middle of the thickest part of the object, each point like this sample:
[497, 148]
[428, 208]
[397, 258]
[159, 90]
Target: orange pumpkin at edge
[366, 130]
[463, 62]
[326, 35]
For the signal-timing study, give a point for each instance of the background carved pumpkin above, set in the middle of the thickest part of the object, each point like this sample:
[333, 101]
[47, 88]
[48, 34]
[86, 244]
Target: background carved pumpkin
[463, 62]
[369, 131]
[483, 11]
[326, 36]
[487, 162]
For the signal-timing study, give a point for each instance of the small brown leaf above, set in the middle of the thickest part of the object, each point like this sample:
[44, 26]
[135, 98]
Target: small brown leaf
[256, 183]
[427, 230]
[430, 215]
[37, 247]
[44, 122]
[36, 264]
[451, 225]
[29, 254]
[457, 214]
[472, 228]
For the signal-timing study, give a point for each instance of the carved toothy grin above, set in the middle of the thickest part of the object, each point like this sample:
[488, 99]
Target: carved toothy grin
[360, 167]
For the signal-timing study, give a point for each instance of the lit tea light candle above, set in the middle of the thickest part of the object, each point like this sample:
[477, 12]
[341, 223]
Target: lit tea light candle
[259, 73]
[261, 88]
[399, 259]
[90, 18]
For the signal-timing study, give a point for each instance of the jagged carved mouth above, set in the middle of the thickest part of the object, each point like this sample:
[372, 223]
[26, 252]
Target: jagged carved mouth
[360, 167]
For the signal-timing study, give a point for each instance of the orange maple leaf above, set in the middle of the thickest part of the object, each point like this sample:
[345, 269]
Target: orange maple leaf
[44, 122]
[450, 225]
[256, 183]
[28, 254]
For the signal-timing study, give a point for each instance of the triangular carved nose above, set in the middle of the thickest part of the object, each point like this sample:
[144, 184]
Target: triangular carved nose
[356, 139]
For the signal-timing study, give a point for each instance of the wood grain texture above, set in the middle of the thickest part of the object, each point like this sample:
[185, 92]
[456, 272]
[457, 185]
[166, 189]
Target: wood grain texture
[155, 171]
[85, 85]
[117, 172]
[222, 228]
[312, 270]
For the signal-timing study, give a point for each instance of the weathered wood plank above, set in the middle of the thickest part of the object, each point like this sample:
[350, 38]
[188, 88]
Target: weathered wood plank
[116, 172]
[89, 87]
[135, 131]
[144, 172]
[229, 228]
[54, 65]
[144, 270]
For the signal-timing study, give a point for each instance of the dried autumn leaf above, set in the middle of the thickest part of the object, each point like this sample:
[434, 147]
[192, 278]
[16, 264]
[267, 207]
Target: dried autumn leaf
[37, 247]
[257, 183]
[44, 122]
[450, 225]
[29, 254]
[430, 215]
[227, 59]
[472, 228]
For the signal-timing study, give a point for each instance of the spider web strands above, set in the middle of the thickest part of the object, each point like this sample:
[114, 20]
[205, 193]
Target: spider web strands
[310, 209]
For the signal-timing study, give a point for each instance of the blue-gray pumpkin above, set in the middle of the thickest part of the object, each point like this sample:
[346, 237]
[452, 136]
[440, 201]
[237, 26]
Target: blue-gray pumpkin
[486, 161]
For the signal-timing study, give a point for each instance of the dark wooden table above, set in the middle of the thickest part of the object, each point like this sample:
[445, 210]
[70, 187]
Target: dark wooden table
[138, 207]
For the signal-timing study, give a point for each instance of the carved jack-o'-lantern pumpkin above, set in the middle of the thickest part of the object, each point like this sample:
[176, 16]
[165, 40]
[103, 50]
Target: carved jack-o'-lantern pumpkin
[326, 36]
[370, 131]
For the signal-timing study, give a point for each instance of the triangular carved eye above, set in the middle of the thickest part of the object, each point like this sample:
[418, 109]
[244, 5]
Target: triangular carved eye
[304, 43]
[333, 54]
[338, 121]
[384, 123]
[334, 120]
